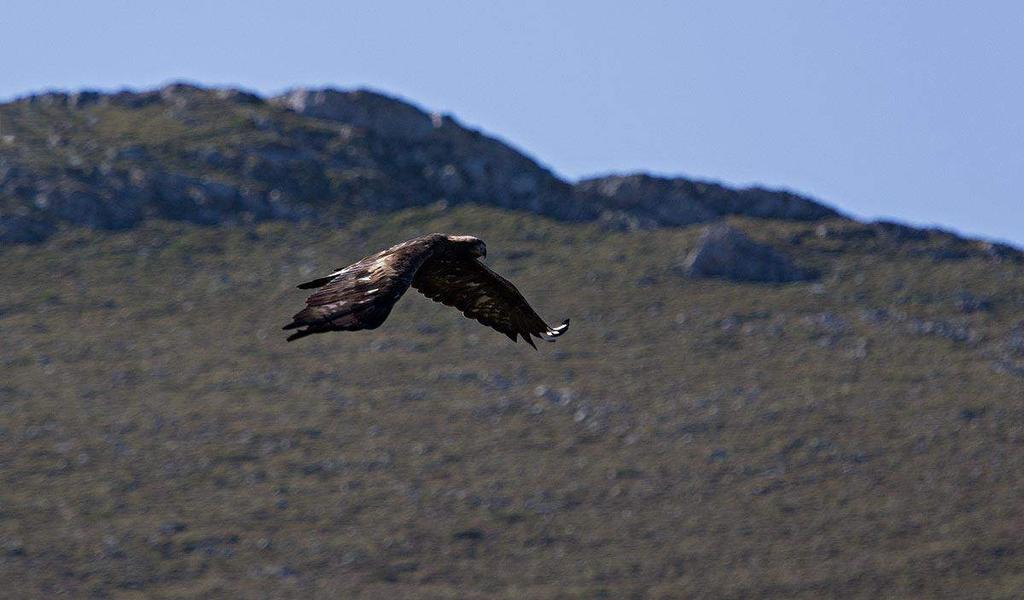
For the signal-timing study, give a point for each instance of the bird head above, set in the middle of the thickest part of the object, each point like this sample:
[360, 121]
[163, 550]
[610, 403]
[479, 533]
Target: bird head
[473, 246]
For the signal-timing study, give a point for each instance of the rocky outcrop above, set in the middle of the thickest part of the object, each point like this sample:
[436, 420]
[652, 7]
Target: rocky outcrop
[725, 252]
[678, 201]
[456, 163]
[382, 114]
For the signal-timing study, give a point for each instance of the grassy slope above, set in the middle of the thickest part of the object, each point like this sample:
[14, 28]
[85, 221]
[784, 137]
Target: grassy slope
[698, 439]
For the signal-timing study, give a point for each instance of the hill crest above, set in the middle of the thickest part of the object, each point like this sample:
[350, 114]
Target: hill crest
[221, 155]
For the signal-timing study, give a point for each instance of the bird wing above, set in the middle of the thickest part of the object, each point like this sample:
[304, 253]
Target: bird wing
[483, 295]
[361, 295]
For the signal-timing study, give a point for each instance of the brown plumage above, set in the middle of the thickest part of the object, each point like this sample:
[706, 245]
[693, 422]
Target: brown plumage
[442, 267]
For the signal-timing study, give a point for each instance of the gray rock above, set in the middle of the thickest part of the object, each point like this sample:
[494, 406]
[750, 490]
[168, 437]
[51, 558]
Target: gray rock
[725, 252]
[52, 98]
[969, 303]
[899, 231]
[172, 527]
[238, 96]
[618, 220]
[181, 94]
[958, 332]
[130, 99]
[1014, 344]
[84, 98]
[999, 252]
[845, 232]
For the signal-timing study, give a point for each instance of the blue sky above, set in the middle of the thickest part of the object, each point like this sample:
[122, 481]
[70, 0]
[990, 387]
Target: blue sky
[908, 110]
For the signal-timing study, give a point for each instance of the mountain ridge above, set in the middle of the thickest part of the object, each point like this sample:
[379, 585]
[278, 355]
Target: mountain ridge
[109, 160]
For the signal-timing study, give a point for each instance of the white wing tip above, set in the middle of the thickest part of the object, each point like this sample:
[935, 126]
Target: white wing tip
[554, 332]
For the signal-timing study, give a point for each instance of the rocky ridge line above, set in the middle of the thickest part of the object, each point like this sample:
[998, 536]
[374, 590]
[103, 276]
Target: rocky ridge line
[220, 156]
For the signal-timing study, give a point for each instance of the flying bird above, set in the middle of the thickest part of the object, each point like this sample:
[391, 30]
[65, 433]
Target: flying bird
[442, 267]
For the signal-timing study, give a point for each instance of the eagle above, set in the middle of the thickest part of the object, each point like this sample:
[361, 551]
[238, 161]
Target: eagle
[444, 268]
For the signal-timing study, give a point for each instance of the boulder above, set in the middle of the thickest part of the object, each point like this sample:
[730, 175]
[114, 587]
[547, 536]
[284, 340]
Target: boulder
[725, 252]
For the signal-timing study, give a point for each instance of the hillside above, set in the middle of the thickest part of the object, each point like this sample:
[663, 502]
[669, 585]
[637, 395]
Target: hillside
[703, 431]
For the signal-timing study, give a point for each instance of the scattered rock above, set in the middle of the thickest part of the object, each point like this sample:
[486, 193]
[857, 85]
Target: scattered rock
[622, 221]
[970, 414]
[13, 547]
[238, 96]
[1014, 344]
[212, 545]
[954, 332]
[845, 232]
[900, 232]
[172, 527]
[133, 100]
[278, 572]
[718, 455]
[968, 303]
[84, 98]
[1000, 252]
[1010, 353]
[472, 534]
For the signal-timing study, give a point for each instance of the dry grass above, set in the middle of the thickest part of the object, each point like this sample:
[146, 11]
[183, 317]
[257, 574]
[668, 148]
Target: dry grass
[859, 437]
